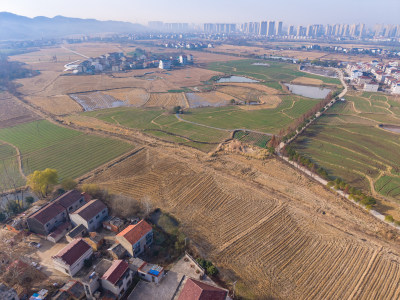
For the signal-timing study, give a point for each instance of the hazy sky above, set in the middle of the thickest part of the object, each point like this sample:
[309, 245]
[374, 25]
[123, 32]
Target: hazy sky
[199, 11]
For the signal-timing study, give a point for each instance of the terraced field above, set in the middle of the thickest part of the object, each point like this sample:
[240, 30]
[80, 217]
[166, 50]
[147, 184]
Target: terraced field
[269, 235]
[351, 144]
[72, 153]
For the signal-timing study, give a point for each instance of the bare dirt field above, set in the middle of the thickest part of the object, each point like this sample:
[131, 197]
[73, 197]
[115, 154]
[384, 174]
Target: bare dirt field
[13, 113]
[280, 233]
[167, 100]
[57, 105]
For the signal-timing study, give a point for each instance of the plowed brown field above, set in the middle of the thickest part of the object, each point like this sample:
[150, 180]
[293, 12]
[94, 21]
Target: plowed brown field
[280, 233]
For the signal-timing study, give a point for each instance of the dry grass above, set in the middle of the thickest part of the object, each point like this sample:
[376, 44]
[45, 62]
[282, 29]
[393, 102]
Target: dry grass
[57, 105]
[135, 97]
[167, 100]
[307, 81]
[280, 233]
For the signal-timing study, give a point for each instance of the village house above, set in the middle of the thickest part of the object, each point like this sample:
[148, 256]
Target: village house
[198, 290]
[70, 260]
[71, 290]
[95, 240]
[117, 251]
[71, 200]
[91, 215]
[165, 64]
[149, 272]
[48, 218]
[371, 87]
[113, 277]
[54, 214]
[118, 278]
[396, 88]
[135, 238]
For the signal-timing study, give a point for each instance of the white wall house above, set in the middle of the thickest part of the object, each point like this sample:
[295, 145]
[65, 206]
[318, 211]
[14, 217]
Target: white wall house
[118, 278]
[355, 74]
[371, 87]
[91, 215]
[72, 257]
[396, 88]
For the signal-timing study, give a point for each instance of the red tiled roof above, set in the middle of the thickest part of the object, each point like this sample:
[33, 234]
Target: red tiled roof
[197, 290]
[69, 198]
[90, 209]
[133, 233]
[73, 251]
[48, 212]
[116, 271]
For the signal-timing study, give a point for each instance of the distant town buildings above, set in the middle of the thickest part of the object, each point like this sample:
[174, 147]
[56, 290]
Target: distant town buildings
[373, 75]
[277, 29]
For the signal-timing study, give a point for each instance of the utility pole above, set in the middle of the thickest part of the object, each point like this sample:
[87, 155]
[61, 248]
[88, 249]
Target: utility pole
[234, 287]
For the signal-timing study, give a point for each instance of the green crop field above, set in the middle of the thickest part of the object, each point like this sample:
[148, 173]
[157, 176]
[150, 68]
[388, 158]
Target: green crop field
[272, 75]
[9, 170]
[350, 143]
[72, 153]
[209, 124]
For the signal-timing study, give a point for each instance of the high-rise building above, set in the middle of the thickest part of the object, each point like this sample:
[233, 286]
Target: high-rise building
[291, 30]
[263, 28]
[279, 31]
[271, 28]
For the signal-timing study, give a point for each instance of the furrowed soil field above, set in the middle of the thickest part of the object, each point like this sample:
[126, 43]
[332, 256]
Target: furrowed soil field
[97, 100]
[349, 142]
[71, 153]
[278, 233]
[12, 112]
[167, 100]
[271, 75]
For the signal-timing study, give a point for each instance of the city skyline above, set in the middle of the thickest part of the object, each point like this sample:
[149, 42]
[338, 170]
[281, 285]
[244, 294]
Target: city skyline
[207, 11]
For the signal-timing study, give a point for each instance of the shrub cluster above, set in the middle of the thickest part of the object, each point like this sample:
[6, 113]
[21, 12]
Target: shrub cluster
[207, 266]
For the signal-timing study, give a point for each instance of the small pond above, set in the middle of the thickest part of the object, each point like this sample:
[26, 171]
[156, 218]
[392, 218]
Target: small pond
[391, 128]
[313, 92]
[261, 64]
[236, 79]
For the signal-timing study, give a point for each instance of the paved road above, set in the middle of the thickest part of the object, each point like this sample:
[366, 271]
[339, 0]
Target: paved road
[223, 129]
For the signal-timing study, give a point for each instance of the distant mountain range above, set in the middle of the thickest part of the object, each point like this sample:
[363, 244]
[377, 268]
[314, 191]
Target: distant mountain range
[15, 27]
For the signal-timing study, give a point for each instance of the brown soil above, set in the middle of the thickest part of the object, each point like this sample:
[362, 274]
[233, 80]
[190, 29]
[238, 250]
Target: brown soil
[279, 232]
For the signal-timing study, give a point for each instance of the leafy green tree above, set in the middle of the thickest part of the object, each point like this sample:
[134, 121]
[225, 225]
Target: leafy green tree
[42, 182]
[212, 270]
[389, 218]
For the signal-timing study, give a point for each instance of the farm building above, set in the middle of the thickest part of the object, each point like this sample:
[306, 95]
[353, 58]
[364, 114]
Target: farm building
[91, 215]
[117, 251]
[71, 200]
[72, 257]
[135, 238]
